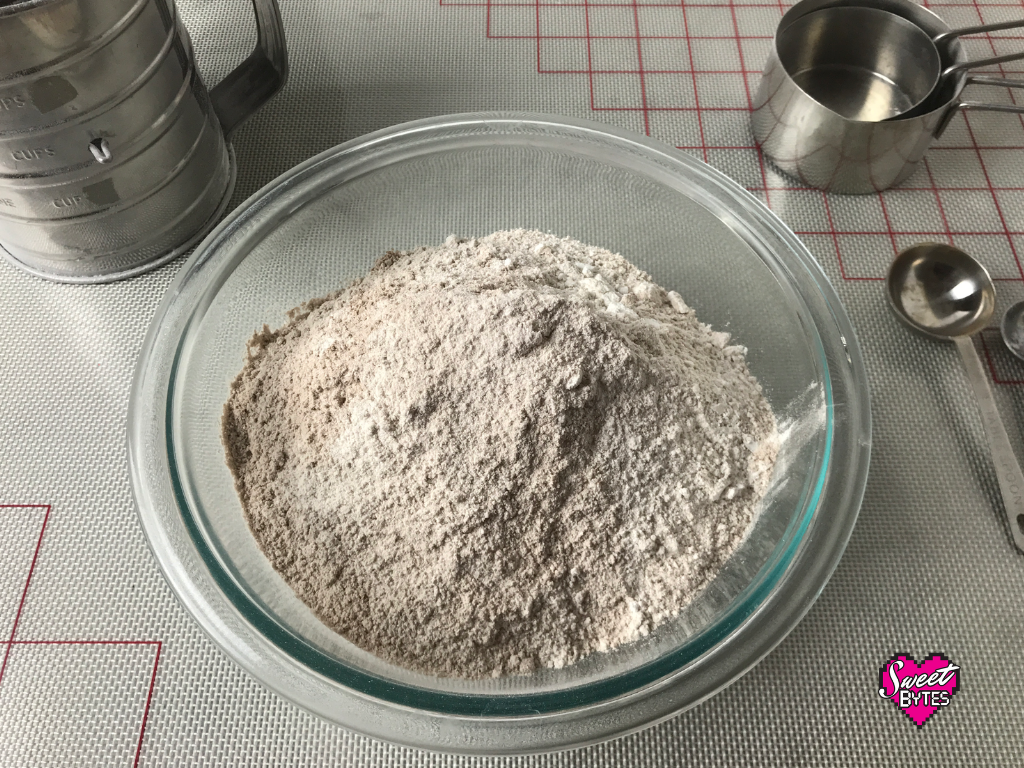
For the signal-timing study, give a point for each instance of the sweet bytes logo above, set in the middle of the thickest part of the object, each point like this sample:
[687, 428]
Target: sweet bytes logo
[919, 689]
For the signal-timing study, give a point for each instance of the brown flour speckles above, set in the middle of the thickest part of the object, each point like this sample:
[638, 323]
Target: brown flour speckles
[497, 454]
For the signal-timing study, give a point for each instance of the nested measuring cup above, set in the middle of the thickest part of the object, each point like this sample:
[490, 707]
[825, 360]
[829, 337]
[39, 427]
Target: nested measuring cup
[113, 156]
[888, 70]
[822, 148]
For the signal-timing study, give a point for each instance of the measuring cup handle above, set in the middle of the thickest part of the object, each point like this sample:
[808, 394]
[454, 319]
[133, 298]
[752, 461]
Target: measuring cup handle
[979, 105]
[939, 39]
[1003, 82]
[981, 63]
[997, 81]
[251, 84]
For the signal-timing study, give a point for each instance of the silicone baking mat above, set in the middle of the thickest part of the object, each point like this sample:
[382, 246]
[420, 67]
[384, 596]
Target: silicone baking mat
[101, 666]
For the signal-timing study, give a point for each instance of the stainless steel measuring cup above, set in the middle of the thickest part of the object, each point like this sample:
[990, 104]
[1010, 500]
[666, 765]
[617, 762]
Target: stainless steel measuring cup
[113, 157]
[821, 148]
[888, 69]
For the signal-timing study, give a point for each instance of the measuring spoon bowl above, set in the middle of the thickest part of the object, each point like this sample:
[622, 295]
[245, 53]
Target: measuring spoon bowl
[944, 293]
[1012, 329]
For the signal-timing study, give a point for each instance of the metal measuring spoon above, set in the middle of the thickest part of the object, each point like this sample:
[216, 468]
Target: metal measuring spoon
[1012, 329]
[944, 293]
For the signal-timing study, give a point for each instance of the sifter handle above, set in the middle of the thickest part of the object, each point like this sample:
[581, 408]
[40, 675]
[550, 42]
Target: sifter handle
[251, 84]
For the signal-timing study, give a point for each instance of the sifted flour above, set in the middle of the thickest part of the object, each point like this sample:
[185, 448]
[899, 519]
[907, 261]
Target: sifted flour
[497, 454]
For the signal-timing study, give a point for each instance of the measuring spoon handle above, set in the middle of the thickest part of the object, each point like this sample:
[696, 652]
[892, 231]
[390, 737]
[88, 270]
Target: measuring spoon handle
[1008, 472]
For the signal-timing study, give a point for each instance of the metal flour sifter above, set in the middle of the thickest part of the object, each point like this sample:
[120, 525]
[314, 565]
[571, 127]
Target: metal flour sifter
[113, 157]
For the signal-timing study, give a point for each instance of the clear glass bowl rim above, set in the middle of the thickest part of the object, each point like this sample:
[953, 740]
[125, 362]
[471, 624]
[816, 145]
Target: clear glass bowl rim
[209, 592]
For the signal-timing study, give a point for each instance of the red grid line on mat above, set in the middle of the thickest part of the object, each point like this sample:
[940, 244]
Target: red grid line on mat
[666, 4]
[1002, 67]
[888, 225]
[981, 159]
[10, 642]
[938, 202]
[642, 37]
[890, 231]
[970, 200]
[538, 36]
[750, 100]
[995, 198]
[632, 37]
[693, 77]
[640, 65]
[28, 579]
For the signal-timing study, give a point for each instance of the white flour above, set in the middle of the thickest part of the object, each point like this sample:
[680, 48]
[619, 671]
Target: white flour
[497, 454]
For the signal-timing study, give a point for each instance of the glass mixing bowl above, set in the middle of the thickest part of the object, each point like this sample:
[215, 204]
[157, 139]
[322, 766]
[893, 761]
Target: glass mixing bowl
[323, 223]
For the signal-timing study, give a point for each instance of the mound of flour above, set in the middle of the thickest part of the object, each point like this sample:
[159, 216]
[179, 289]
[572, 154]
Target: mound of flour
[497, 454]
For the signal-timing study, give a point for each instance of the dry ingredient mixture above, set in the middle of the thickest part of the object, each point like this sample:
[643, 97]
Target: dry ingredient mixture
[497, 454]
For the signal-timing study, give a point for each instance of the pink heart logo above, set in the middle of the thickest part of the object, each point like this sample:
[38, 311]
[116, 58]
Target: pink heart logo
[920, 690]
